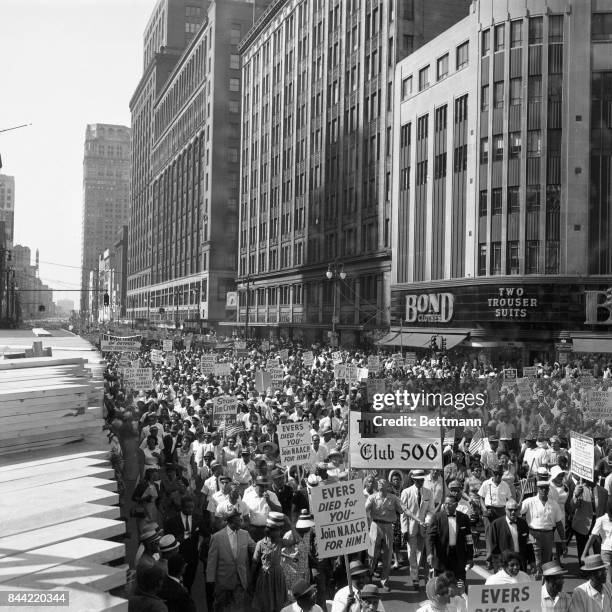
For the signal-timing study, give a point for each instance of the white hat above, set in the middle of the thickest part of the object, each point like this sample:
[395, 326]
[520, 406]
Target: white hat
[555, 471]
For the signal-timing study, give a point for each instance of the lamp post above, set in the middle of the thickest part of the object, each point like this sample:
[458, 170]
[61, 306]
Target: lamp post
[334, 272]
[245, 286]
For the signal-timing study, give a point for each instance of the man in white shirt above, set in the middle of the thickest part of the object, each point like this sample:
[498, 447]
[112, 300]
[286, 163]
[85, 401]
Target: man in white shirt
[304, 594]
[318, 453]
[260, 501]
[359, 575]
[328, 442]
[329, 421]
[594, 595]
[419, 503]
[241, 470]
[543, 516]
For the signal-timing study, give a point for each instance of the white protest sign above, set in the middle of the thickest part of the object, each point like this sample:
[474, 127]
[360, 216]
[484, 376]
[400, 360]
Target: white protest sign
[362, 373]
[524, 387]
[120, 346]
[271, 363]
[410, 358]
[599, 404]
[240, 344]
[167, 345]
[341, 526]
[188, 345]
[337, 357]
[530, 372]
[294, 441]
[171, 360]
[516, 597]
[509, 374]
[225, 409]
[262, 381]
[284, 355]
[583, 455]
[308, 358]
[277, 376]
[156, 356]
[374, 363]
[221, 369]
[140, 379]
[207, 364]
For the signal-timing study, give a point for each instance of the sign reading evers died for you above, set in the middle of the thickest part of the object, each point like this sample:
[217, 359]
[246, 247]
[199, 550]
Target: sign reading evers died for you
[517, 597]
[341, 526]
[294, 443]
[582, 449]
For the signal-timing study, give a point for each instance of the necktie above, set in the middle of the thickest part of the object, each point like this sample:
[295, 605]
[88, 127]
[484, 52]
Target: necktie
[419, 498]
[187, 528]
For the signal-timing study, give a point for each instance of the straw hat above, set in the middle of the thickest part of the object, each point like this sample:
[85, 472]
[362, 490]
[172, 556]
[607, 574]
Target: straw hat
[305, 520]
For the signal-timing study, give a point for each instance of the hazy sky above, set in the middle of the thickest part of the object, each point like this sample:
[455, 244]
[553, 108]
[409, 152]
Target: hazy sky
[63, 64]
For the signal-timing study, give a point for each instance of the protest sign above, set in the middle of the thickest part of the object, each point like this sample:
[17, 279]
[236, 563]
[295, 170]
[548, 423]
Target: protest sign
[294, 441]
[139, 379]
[277, 376]
[410, 358]
[240, 344]
[188, 345]
[349, 373]
[265, 345]
[117, 345]
[394, 440]
[509, 374]
[262, 381]
[207, 363]
[271, 363]
[225, 409]
[374, 363]
[156, 356]
[530, 372]
[524, 387]
[337, 357]
[599, 404]
[515, 597]
[341, 526]
[587, 380]
[221, 369]
[362, 373]
[167, 345]
[583, 455]
[171, 360]
[308, 359]
[284, 355]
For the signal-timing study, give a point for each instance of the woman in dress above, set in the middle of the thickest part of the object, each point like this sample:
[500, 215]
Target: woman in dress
[268, 583]
[186, 460]
[510, 571]
[396, 479]
[296, 558]
[558, 492]
[438, 595]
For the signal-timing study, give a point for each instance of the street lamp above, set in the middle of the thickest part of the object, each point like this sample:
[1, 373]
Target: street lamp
[245, 286]
[335, 272]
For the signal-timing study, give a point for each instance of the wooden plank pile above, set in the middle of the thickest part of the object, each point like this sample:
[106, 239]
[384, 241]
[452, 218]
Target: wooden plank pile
[58, 516]
[47, 401]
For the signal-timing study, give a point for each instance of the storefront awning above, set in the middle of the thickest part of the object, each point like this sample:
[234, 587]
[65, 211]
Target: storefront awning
[592, 345]
[419, 339]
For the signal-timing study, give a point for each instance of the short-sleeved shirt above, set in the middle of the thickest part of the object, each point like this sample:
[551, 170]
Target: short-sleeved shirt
[495, 495]
[541, 516]
[384, 509]
[603, 528]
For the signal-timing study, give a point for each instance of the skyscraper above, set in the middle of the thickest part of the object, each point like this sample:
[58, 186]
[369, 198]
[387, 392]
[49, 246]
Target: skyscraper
[7, 206]
[106, 195]
[315, 193]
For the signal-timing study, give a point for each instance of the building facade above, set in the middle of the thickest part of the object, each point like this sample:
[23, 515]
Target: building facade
[106, 195]
[182, 251]
[32, 299]
[316, 161]
[502, 204]
[7, 206]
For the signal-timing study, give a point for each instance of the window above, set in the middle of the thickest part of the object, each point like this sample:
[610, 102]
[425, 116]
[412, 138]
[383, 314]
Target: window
[513, 200]
[496, 201]
[484, 98]
[512, 262]
[496, 258]
[405, 135]
[515, 145]
[234, 61]
[534, 89]
[500, 31]
[235, 35]
[498, 94]
[440, 166]
[482, 203]
[555, 28]
[460, 161]
[442, 67]
[440, 119]
[515, 91]
[422, 127]
[461, 107]
[516, 33]
[406, 87]
[551, 257]
[531, 256]
[498, 147]
[533, 198]
[463, 55]
[234, 84]
[482, 259]
[484, 150]
[535, 30]
[423, 78]
[408, 41]
[486, 42]
[421, 177]
[601, 26]
[534, 143]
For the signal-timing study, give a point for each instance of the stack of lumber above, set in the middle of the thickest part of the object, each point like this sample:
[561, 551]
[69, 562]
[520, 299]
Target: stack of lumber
[58, 515]
[47, 401]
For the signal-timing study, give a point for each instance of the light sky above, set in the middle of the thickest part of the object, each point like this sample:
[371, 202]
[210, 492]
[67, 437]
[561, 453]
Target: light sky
[63, 64]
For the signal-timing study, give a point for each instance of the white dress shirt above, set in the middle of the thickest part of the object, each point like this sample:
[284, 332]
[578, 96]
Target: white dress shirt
[258, 506]
[514, 533]
[452, 530]
[233, 541]
[539, 515]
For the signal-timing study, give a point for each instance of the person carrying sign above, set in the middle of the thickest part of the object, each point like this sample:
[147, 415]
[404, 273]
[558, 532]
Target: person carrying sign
[382, 507]
[348, 598]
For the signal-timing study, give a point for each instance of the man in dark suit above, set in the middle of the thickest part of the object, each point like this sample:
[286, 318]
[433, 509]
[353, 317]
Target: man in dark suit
[187, 529]
[173, 592]
[449, 540]
[511, 532]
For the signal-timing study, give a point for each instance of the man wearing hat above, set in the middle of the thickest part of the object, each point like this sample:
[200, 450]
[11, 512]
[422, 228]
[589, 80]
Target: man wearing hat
[510, 532]
[167, 546]
[318, 453]
[553, 597]
[419, 503]
[149, 540]
[228, 566]
[347, 600]
[260, 502]
[543, 516]
[304, 594]
[594, 595]
[241, 470]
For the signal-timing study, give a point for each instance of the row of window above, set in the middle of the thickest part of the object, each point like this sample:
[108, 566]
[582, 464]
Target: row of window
[535, 33]
[534, 146]
[532, 258]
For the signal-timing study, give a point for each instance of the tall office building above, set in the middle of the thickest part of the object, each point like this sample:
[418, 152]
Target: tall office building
[502, 198]
[315, 184]
[106, 195]
[183, 227]
[7, 206]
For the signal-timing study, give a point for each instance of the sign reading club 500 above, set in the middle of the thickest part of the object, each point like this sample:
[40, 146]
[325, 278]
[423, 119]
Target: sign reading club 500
[406, 452]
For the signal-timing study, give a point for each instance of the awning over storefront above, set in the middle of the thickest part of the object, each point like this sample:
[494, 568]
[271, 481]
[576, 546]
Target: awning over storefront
[592, 345]
[419, 339]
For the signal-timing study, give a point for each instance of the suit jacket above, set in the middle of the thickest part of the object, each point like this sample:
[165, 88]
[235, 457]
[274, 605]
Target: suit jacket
[500, 538]
[409, 497]
[583, 510]
[222, 568]
[176, 597]
[188, 547]
[436, 541]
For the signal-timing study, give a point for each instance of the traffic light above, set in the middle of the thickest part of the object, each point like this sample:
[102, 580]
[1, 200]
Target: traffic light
[41, 308]
[106, 299]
